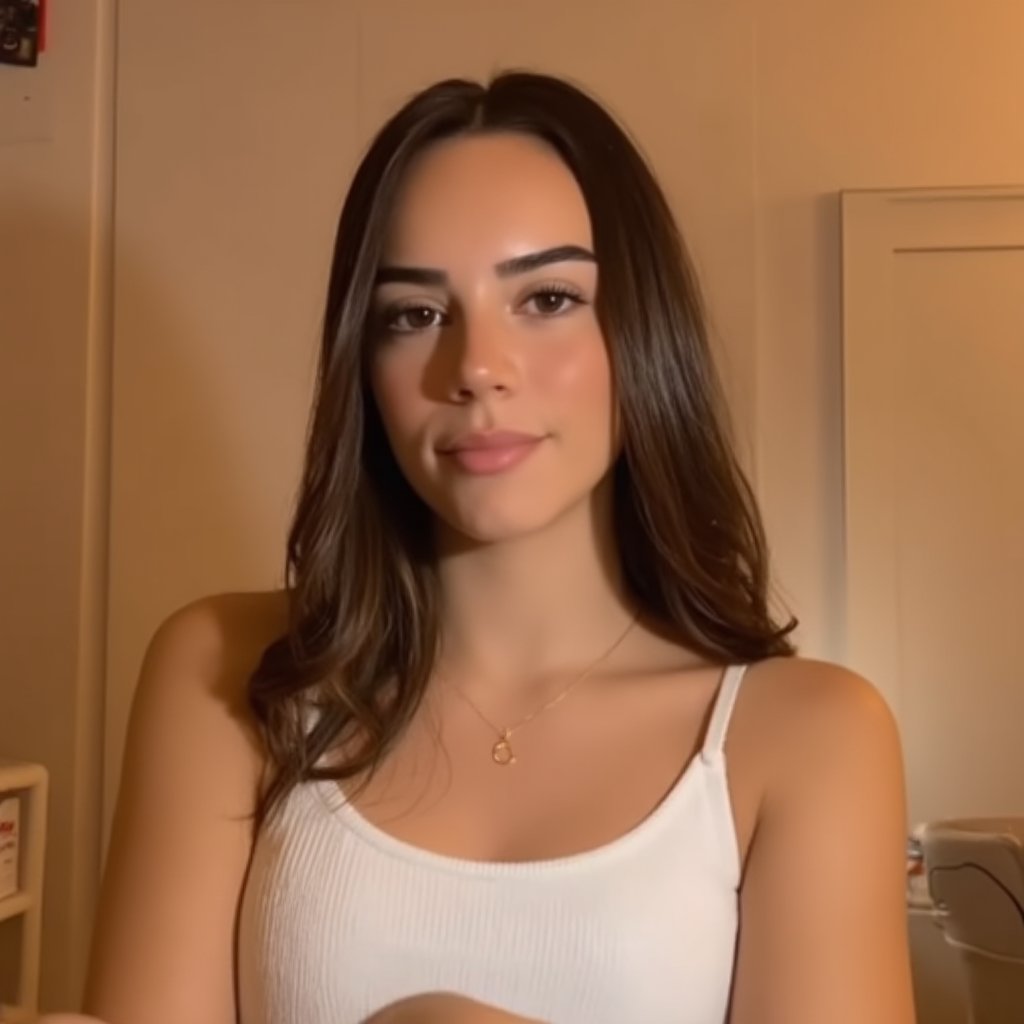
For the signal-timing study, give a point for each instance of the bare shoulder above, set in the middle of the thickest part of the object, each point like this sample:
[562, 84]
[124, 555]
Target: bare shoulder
[812, 704]
[213, 645]
[220, 632]
[194, 683]
[801, 724]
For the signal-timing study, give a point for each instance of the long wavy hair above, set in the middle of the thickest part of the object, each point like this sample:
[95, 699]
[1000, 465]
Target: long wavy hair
[364, 628]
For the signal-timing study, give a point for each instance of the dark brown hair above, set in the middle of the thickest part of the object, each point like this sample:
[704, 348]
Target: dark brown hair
[364, 626]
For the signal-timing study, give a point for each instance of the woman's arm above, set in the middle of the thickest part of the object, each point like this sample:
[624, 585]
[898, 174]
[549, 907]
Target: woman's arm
[823, 932]
[163, 949]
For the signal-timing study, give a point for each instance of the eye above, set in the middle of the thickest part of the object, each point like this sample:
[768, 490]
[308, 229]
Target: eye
[412, 318]
[553, 300]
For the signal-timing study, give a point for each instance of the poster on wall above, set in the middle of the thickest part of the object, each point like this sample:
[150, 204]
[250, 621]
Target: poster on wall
[21, 27]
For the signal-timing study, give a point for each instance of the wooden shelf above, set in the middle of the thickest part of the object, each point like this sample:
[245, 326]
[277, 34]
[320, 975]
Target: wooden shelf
[12, 906]
[19, 775]
[29, 783]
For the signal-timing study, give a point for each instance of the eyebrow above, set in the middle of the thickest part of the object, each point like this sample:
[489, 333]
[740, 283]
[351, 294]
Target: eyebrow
[506, 268]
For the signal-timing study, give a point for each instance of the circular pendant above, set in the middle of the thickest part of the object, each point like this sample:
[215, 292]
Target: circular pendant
[501, 752]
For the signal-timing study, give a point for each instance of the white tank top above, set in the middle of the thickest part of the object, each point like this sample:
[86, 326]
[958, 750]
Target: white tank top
[339, 919]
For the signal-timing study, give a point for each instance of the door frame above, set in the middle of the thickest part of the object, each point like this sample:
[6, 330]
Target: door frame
[877, 226]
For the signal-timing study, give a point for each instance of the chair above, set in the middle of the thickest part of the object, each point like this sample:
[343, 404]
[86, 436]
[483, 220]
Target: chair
[975, 872]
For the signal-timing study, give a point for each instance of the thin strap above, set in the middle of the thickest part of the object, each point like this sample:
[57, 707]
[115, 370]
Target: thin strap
[725, 701]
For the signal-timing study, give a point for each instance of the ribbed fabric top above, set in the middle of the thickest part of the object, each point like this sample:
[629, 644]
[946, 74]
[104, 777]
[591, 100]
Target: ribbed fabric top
[340, 919]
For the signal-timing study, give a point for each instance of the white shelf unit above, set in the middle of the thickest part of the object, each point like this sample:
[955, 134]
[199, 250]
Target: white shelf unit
[29, 783]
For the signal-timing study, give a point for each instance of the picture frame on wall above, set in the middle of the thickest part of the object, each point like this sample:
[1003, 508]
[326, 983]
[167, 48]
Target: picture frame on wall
[20, 32]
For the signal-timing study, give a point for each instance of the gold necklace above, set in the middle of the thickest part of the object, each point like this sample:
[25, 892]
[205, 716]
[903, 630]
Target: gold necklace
[502, 753]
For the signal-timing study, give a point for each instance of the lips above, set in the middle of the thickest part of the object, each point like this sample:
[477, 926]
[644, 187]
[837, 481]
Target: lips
[489, 452]
[488, 440]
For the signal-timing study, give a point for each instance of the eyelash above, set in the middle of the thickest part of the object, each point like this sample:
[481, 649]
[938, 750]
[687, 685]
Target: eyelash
[392, 314]
[563, 291]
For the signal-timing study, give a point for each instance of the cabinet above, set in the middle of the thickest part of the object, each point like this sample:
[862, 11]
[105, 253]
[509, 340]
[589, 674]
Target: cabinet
[28, 783]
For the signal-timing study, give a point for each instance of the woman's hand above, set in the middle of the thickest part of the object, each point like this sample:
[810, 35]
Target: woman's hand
[444, 1008]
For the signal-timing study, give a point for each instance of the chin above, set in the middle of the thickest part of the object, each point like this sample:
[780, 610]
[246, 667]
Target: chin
[480, 523]
[477, 530]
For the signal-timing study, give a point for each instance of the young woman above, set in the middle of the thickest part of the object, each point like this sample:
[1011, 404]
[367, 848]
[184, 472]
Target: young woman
[521, 739]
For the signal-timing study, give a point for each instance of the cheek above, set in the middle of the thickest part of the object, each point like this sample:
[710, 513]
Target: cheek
[578, 379]
[395, 386]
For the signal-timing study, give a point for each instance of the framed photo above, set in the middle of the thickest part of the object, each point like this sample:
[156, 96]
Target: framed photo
[19, 32]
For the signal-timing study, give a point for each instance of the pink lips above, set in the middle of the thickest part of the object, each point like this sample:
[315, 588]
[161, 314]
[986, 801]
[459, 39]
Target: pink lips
[490, 452]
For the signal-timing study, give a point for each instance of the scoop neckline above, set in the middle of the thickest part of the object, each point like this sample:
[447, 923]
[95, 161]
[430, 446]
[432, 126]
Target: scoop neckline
[344, 813]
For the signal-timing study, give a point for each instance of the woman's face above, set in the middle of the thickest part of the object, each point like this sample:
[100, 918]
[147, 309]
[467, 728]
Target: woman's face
[488, 366]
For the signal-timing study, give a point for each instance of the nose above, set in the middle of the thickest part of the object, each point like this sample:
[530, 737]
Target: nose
[482, 360]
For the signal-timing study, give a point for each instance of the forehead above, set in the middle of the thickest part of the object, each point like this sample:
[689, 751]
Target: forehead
[487, 196]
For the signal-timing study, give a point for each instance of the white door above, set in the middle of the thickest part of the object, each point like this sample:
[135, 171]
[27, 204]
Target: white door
[933, 292]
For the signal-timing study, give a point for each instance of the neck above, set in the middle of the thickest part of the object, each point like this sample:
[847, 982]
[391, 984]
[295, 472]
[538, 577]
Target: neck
[534, 608]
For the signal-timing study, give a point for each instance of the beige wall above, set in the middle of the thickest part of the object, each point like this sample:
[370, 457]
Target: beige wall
[54, 215]
[233, 148]
[879, 94]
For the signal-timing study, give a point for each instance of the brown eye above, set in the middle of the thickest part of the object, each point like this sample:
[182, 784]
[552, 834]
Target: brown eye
[413, 318]
[553, 301]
